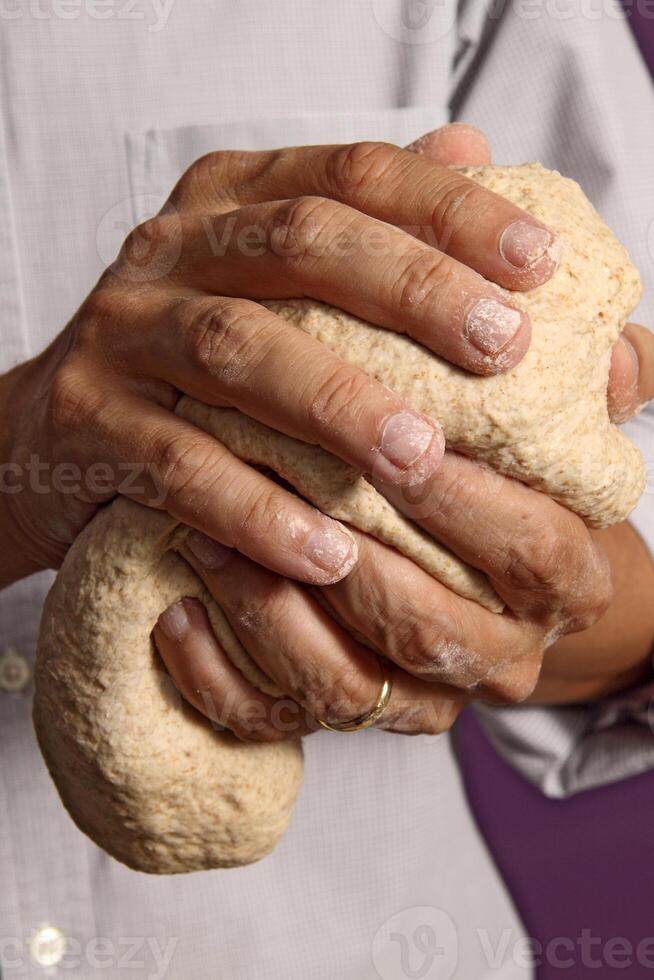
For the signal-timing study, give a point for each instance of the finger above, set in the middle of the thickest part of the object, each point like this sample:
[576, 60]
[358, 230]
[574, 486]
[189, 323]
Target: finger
[318, 248]
[539, 556]
[433, 634]
[454, 145]
[631, 379]
[205, 676]
[198, 481]
[482, 230]
[234, 352]
[306, 653]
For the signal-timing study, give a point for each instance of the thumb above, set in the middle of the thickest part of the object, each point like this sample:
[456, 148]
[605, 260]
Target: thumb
[631, 380]
[455, 145]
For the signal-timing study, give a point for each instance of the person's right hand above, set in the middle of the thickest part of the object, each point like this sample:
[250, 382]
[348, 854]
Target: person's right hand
[374, 229]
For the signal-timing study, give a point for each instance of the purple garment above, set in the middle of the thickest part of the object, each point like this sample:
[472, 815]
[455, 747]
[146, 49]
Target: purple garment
[640, 15]
[580, 870]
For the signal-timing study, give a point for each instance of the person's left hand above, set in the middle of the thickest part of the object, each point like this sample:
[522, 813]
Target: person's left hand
[441, 650]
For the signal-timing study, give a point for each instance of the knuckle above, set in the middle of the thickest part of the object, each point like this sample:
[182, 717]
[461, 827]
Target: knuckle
[426, 273]
[151, 249]
[225, 339]
[260, 512]
[96, 319]
[515, 683]
[183, 467]
[207, 178]
[593, 592]
[456, 487]
[189, 186]
[338, 398]
[357, 166]
[423, 643]
[341, 698]
[264, 614]
[68, 396]
[302, 229]
[561, 572]
[77, 403]
[536, 563]
[458, 199]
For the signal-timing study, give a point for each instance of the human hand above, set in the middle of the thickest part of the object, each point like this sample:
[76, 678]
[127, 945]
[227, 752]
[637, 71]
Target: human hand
[443, 650]
[177, 313]
[321, 648]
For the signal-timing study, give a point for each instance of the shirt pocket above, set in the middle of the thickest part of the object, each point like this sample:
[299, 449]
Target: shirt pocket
[157, 158]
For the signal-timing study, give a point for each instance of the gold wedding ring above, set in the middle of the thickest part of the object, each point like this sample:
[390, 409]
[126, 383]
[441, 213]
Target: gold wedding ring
[370, 717]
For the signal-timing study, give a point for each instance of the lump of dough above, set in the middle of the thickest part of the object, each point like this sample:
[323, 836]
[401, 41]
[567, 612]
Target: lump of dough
[161, 787]
[144, 774]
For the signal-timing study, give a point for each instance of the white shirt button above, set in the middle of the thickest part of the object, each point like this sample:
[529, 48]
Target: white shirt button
[47, 946]
[14, 671]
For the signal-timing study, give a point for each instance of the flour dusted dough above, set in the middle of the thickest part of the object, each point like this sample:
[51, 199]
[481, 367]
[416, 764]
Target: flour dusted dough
[146, 776]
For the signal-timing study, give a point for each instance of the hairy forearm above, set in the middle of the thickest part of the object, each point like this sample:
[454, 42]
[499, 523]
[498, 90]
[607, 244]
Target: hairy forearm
[616, 652]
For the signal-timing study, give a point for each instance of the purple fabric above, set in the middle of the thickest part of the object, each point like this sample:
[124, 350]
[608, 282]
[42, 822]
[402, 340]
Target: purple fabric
[640, 14]
[580, 870]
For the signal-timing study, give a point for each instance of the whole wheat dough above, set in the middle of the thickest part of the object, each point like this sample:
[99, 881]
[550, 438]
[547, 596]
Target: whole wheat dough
[146, 776]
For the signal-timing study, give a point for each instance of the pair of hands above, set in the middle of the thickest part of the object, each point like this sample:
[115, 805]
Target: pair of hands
[177, 312]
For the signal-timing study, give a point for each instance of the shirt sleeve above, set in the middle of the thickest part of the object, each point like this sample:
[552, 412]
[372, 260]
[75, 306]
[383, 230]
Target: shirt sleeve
[564, 83]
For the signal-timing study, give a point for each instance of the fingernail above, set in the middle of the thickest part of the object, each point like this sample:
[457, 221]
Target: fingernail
[633, 354]
[208, 552]
[490, 325]
[405, 438]
[523, 244]
[174, 621]
[624, 397]
[331, 549]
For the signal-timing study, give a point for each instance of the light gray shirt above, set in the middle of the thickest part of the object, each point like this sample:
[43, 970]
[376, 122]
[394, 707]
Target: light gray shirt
[103, 103]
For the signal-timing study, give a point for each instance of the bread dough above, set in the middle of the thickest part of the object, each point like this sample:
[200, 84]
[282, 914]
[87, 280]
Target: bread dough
[143, 773]
[147, 777]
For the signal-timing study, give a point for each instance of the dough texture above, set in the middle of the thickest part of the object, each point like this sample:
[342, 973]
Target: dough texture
[147, 777]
